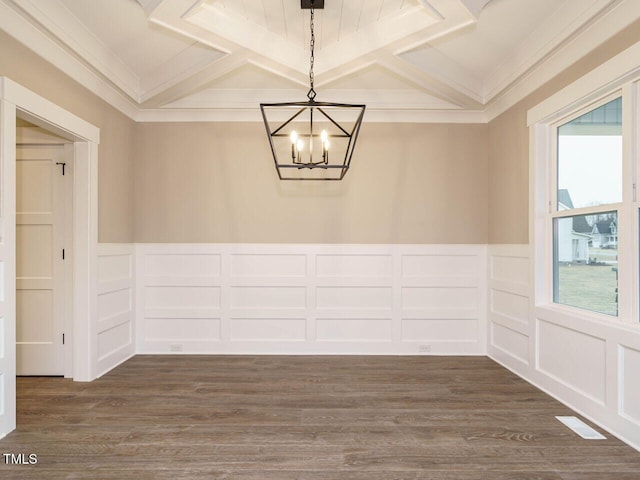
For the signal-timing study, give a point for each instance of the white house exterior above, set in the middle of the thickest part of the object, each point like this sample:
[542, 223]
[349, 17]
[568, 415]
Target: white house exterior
[605, 234]
[573, 235]
[573, 247]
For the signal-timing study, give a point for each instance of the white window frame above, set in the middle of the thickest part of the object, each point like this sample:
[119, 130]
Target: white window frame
[620, 76]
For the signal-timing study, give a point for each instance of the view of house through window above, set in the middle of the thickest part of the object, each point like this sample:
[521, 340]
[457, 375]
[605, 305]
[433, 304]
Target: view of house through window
[589, 168]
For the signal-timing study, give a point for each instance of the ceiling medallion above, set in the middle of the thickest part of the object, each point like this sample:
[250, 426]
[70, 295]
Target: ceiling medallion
[312, 140]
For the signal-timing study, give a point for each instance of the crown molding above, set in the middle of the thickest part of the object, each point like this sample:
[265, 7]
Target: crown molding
[55, 20]
[385, 99]
[372, 115]
[40, 42]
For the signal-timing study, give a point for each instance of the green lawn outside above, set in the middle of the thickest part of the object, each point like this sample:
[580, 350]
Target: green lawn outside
[588, 286]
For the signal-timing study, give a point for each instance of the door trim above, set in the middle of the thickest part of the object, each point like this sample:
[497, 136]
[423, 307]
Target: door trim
[16, 100]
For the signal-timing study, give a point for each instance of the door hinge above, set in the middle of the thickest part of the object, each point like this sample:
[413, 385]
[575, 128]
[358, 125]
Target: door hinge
[63, 253]
[63, 165]
[63, 338]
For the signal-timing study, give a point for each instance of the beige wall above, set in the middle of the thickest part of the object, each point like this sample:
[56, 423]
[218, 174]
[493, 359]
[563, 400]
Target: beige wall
[509, 146]
[408, 183]
[115, 218]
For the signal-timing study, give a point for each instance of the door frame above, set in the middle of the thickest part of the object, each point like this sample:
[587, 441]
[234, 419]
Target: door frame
[18, 101]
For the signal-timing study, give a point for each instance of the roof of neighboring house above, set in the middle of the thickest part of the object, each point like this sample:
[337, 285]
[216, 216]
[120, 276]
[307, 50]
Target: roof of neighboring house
[603, 226]
[564, 198]
[580, 225]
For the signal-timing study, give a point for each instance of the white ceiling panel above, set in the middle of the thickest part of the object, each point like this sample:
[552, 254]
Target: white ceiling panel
[505, 25]
[371, 78]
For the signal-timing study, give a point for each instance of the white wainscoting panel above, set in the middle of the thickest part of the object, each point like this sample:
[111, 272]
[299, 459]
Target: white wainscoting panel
[350, 298]
[362, 266]
[254, 265]
[573, 358]
[311, 299]
[629, 388]
[183, 329]
[115, 305]
[508, 288]
[504, 340]
[589, 363]
[269, 330]
[446, 330]
[354, 329]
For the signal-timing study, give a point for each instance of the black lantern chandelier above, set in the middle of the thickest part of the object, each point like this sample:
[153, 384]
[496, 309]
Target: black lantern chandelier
[312, 140]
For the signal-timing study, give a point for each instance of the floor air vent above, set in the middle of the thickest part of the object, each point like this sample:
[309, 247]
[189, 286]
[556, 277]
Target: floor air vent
[581, 428]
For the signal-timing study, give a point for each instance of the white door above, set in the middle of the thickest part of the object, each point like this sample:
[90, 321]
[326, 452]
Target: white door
[40, 277]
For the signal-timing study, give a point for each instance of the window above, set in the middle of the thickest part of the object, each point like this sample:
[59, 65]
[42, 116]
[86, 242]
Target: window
[585, 207]
[588, 188]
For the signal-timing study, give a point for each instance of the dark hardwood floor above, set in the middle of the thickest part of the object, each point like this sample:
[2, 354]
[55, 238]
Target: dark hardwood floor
[304, 418]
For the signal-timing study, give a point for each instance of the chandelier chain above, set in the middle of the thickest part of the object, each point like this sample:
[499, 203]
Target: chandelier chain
[311, 95]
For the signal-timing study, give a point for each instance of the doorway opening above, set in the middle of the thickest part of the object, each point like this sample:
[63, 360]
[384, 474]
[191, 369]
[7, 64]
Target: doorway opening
[44, 173]
[17, 102]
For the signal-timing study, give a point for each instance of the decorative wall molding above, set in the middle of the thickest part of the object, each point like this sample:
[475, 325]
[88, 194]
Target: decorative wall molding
[587, 364]
[116, 296]
[311, 299]
[373, 115]
[508, 305]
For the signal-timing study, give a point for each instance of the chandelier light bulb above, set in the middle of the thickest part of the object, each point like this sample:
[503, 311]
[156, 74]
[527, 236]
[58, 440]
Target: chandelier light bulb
[294, 137]
[324, 137]
[325, 147]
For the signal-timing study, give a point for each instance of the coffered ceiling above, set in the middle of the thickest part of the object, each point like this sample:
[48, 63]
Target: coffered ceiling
[408, 60]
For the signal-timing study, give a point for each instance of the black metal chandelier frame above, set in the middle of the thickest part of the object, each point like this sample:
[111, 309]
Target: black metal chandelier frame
[323, 109]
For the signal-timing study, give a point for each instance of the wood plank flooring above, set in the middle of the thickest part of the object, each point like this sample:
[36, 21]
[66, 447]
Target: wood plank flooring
[304, 418]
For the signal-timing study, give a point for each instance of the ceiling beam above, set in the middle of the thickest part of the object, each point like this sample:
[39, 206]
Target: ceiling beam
[429, 82]
[197, 81]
